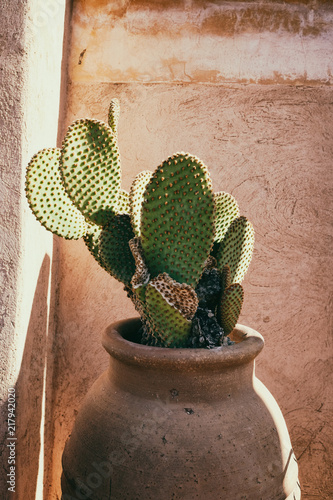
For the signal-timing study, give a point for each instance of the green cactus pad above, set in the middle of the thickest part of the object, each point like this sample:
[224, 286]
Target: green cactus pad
[91, 239]
[236, 249]
[123, 202]
[225, 278]
[171, 307]
[226, 211]
[230, 307]
[114, 250]
[177, 222]
[90, 167]
[140, 292]
[113, 115]
[141, 276]
[136, 198]
[48, 199]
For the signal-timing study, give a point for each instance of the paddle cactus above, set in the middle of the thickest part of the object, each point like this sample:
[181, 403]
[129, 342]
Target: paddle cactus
[180, 250]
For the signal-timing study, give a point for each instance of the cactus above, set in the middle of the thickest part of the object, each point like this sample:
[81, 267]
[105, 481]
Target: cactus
[180, 250]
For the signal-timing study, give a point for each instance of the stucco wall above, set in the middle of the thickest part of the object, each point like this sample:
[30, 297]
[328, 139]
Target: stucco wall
[202, 42]
[271, 147]
[31, 43]
[246, 86]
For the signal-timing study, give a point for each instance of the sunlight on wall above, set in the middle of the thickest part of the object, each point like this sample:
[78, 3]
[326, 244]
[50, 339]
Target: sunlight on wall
[31, 57]
[43, 38]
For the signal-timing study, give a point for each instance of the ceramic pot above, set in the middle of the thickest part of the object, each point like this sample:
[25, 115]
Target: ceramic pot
[179, 424]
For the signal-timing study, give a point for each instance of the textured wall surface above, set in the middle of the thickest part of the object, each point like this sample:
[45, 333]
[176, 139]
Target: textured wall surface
[246, 86]
[271, 147]
[30, 71]
[200, 41]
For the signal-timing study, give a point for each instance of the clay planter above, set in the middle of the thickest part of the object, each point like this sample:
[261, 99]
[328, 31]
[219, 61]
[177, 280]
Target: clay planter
[179, 423]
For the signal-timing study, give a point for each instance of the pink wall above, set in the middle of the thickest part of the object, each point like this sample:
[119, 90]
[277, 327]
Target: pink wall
[247, 88]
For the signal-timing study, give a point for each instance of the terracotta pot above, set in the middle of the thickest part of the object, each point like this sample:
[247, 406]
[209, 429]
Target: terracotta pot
[179, 423]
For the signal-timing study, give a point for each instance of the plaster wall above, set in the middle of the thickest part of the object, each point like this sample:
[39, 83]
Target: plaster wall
[196, 41]
[246, 86]
[31, 45]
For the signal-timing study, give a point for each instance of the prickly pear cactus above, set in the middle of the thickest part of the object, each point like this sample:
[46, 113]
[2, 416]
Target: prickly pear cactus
[180, 250]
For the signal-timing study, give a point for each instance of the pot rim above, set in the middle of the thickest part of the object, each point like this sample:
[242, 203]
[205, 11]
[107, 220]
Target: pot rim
[249, 343]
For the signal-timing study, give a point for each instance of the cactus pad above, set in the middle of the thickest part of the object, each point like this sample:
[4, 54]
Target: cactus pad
[236, 248]
[230, 307]
[91, 239]
[177, 222]
[48, 199]
[225, 278]
[123, 202]
[226, 211]
[136, 198]
[114, 249]
[171, 307]
[90, 167]
[113, 115]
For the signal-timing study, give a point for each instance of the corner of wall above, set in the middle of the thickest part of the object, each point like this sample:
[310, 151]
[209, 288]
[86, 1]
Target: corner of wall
[31, 49]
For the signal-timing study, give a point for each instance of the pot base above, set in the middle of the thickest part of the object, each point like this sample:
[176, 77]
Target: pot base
[71, 494]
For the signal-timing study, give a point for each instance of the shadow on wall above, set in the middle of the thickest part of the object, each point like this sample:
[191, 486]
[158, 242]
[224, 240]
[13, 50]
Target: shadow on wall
[31, 395]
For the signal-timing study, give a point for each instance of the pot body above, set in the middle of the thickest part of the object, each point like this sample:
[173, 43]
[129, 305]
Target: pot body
[179, 424]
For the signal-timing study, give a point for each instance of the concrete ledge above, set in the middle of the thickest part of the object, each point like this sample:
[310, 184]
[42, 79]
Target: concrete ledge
[203, 42]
